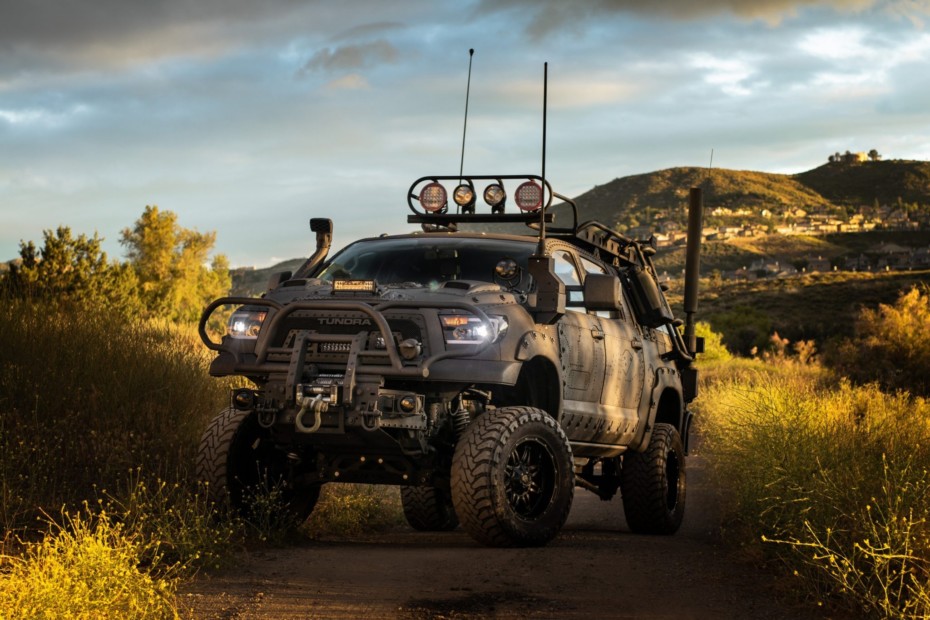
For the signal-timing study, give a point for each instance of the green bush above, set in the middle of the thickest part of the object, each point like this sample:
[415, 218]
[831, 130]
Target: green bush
[892, 345]
[745, 330]
[714, 349]
[834, 477]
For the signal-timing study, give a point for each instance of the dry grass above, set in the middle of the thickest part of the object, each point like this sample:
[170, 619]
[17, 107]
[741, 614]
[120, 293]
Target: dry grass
[829, 477]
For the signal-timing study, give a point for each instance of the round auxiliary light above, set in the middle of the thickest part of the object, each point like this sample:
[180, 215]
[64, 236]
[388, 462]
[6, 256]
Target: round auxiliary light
[464, 197]
[433, 197]
[529, 196]
[244, 399]
[494, 195]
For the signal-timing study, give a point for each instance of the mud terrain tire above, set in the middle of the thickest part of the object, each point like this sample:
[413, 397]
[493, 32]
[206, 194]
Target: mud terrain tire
[236, 458]
[429, 509]
[512, 478]
[653, 484]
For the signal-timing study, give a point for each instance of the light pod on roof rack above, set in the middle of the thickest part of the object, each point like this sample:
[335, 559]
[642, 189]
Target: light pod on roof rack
[464, 197]
[433, 198]
[495, 197]
[529, 196]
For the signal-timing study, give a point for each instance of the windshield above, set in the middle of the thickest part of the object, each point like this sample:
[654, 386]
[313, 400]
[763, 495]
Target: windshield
[424, 261]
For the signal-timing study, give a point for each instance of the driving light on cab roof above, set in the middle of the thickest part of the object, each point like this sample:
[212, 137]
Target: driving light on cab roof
[464, 196]
[433, 197]
[495, 196]
[529, 196]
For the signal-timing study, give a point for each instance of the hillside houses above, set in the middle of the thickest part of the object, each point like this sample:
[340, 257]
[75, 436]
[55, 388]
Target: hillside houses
[791, 221]
[882, 257]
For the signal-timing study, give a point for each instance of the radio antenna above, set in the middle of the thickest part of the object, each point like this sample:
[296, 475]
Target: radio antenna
[545, 106]
[542, 209]
[471, 53]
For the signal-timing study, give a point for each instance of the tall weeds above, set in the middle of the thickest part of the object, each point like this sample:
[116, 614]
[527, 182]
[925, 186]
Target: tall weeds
[86, 398]
[833, 477]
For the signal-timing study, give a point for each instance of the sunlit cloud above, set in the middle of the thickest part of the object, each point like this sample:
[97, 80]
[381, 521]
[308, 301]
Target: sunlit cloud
[846, 43]
[729, 74]
[41, 118]
[353, 81]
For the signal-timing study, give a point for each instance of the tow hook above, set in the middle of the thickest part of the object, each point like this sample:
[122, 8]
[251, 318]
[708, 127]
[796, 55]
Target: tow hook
[316, 406]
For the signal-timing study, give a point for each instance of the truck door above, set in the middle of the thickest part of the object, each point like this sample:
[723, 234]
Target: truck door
[581, 341]
[624, 372]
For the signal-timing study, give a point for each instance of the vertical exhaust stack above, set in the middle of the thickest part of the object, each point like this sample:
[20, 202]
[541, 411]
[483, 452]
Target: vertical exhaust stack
[693, 265]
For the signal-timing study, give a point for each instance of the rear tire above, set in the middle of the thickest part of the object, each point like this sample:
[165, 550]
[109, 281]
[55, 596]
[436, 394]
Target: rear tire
[513, 478]
[653, 484]
[237, 460]
[429, 509]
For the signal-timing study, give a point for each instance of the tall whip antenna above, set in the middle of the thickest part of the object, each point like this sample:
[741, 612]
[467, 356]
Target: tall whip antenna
[545, 106]
[542, 211]
[471, 53]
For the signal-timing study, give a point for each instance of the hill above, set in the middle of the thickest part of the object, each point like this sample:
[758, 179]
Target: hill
[867, 183]
[644, 198]
[247, 281]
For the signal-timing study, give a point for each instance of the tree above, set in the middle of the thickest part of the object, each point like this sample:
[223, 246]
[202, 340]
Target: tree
[176, 277]
[70, 270]
[874, 155]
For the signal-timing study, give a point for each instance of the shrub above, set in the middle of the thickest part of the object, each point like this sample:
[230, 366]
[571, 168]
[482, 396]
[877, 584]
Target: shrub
[352, 509]
[714, 349]
[892, 345]
[84, 569]
[744, 329]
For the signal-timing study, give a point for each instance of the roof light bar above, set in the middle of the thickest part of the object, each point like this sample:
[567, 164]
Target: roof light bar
[428, 199]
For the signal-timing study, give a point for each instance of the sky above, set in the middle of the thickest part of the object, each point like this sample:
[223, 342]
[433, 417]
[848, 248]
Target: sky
[248, 118]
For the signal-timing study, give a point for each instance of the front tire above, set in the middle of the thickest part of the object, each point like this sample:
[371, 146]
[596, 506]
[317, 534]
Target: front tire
[513, 478]
[238, 462]
[653, 484]
[429, 509]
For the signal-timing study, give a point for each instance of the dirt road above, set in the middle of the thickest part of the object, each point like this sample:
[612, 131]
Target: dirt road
[595, 569]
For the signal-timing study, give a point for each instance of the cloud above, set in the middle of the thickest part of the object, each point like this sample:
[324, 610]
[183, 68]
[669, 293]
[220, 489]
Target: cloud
[352, 57]
[353, 81]
[367, 30]
[730, 73]
[549, 16]
[51, 35]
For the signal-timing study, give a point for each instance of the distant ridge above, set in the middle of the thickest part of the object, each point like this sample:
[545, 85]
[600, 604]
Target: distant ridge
[653, 197]
[641, 198]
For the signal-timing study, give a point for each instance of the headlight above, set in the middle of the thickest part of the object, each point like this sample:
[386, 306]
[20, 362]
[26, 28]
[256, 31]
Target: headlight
[469, 329]
[246, 323]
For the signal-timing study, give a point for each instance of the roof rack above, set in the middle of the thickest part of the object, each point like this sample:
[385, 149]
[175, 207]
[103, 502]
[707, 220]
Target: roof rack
[434, 205]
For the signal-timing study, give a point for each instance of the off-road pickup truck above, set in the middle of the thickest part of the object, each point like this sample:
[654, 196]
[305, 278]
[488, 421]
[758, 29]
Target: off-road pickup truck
[487, 374]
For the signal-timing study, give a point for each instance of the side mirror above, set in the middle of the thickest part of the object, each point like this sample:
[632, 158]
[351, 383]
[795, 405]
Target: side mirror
[601, 292]
[648, 300]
